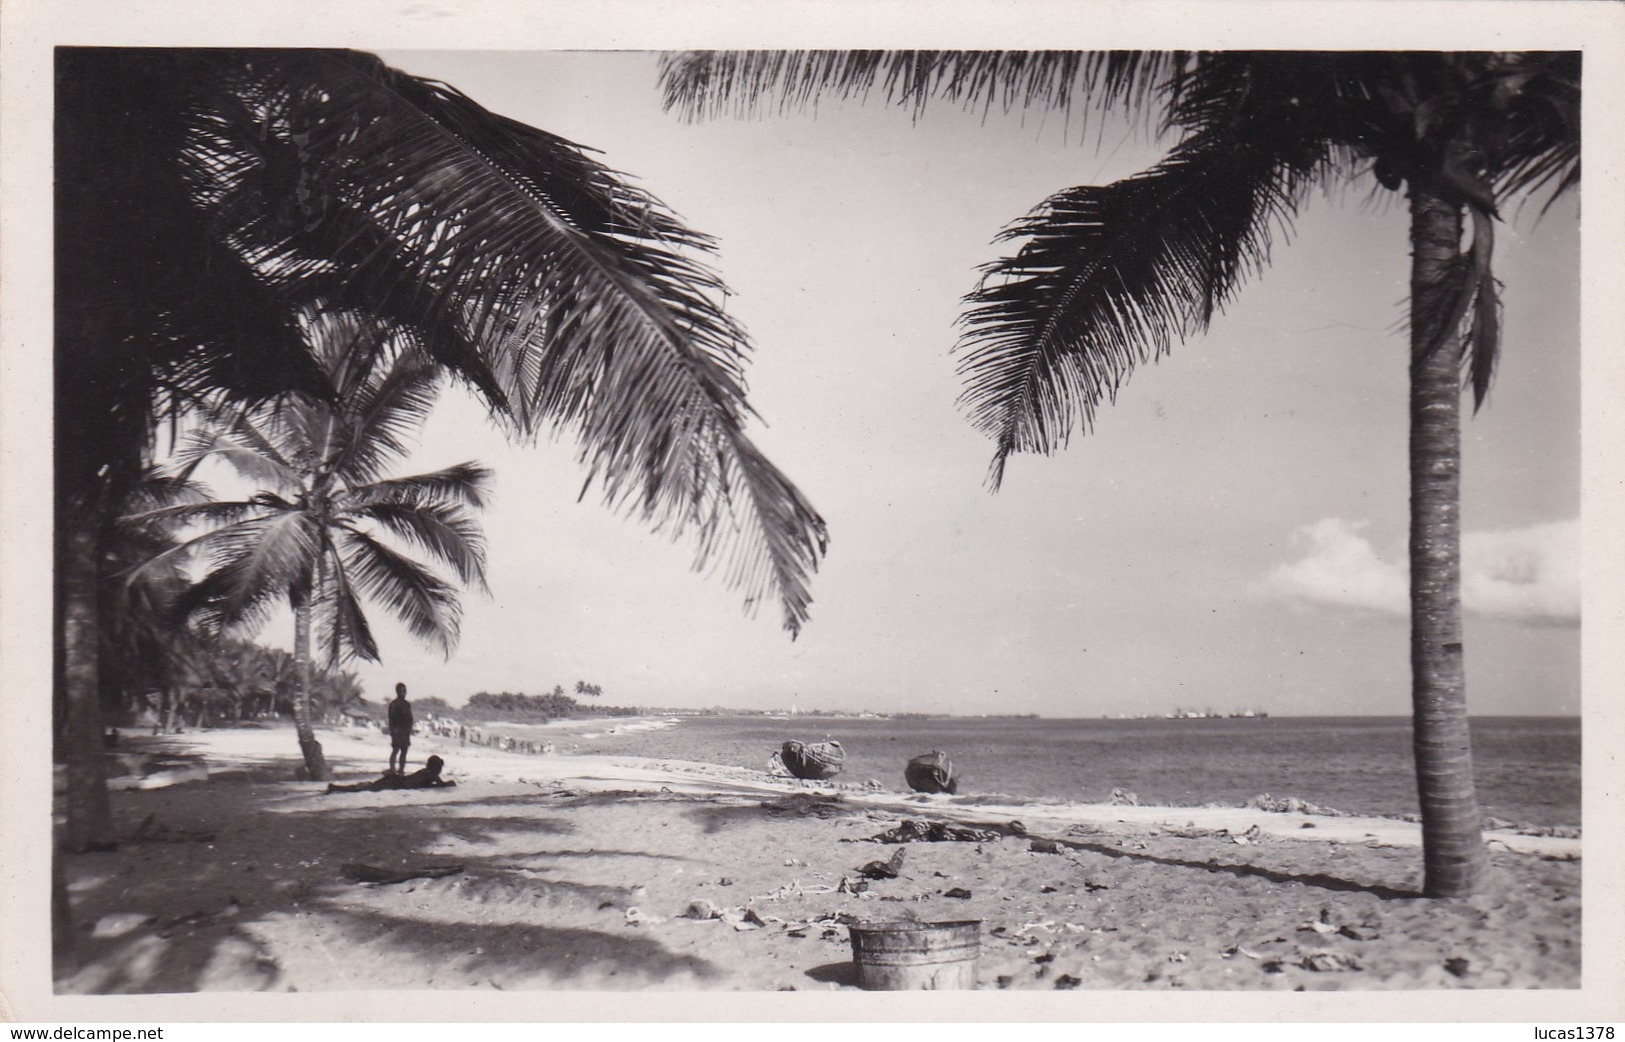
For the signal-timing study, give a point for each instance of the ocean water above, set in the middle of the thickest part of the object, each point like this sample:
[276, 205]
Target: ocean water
[1527, 769]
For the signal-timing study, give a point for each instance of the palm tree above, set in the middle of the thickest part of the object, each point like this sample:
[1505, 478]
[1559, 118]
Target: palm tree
[204, 195]
[1110, 276]
[318, 529]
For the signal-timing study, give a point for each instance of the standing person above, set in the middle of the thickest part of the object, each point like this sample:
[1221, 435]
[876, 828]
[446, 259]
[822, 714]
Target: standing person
[400, 729]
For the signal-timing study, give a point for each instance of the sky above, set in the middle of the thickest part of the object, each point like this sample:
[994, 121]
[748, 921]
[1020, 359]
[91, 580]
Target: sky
[1231, 534]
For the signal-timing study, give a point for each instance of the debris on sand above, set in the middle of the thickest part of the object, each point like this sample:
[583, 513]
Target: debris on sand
[638, 917]
[1252, 835]
[884, 869]
[1329, 962]
[746, 918]
[911, 831]
[1520, 829]
[701, 909]
[1293, 805]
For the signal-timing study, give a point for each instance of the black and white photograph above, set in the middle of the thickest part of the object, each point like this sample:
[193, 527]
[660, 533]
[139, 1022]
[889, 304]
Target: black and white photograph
[1046, 522]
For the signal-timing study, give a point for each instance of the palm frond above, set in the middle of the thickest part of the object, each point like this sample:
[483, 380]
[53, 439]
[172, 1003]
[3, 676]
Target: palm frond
[444, 531]
[413, 594]
[491, 217]
[788, 540]
[579, 295]
[163, 488]
[463, 483]
[383, 389]
[376, 424]
[1484, 337]
[348, 631]
[1474, 323]
[168, 554]
[1108, 278]
[253, 563]
[242, 439]
[1538, 105]
[182, 514]
[715, 84]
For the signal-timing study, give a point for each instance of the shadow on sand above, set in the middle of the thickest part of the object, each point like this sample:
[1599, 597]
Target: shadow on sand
[1243, 870]
[844, 974]
[520, 911]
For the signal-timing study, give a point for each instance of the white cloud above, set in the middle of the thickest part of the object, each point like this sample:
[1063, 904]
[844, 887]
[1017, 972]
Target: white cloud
[1340, 567]
[1530, 574]
[1526, 573]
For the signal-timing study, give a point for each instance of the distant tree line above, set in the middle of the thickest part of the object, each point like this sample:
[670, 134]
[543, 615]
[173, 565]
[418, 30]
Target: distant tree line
[485, 705]
[224, 680]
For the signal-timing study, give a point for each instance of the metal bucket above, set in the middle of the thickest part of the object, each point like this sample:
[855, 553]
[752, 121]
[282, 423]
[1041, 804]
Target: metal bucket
[910, 956]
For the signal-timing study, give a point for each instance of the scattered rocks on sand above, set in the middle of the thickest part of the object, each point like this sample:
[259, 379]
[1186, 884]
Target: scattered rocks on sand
[911, 831]
[1292, 805]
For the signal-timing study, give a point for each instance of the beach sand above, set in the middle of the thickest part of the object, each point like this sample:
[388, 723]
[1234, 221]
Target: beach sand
[584, 871]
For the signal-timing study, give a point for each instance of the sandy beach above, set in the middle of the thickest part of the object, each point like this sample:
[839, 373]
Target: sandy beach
[585, 871]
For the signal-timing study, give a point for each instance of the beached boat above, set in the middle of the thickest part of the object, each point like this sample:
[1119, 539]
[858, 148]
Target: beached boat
[931, 772]
[813, 762]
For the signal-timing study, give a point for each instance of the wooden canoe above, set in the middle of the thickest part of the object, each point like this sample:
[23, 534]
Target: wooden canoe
[814, 762]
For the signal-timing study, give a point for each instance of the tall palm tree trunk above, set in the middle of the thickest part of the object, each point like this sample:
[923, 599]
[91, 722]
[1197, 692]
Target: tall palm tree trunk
[1452, 845]
[315, 761]
[89, 814]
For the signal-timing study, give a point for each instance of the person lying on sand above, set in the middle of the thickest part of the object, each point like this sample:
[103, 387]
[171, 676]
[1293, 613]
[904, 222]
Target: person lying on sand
[426, 778]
